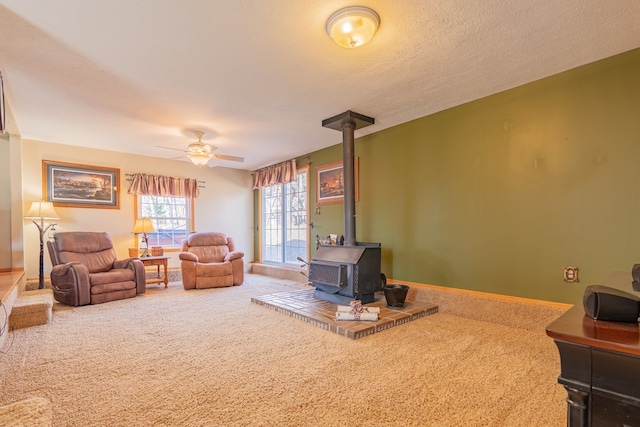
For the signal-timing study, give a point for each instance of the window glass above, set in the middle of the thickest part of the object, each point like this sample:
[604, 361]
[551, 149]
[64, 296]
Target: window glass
[284, 221]
[171, 217]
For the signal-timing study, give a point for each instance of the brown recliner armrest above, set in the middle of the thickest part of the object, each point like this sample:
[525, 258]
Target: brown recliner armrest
[140, 275]
[233, 255]
[188, 263]
[122, 263]
[235, 258]
[71, 284]
[188, 256]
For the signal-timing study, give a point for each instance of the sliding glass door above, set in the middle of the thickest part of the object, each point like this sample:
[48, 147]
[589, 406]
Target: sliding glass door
[284, 221]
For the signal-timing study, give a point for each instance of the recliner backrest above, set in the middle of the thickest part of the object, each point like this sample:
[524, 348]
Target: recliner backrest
[93, 249]
[208, 246]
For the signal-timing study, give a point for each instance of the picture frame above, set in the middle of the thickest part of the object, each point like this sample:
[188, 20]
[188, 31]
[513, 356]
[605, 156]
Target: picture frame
[80, 186]
[330, 182]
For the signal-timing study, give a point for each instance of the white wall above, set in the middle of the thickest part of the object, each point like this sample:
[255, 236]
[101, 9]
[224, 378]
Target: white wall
[5, 203]
[225, 204]
[15, 171]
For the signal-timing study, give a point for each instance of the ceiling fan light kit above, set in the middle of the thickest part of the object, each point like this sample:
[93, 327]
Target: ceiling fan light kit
[199, 159]
[353, 26]
[200, 153]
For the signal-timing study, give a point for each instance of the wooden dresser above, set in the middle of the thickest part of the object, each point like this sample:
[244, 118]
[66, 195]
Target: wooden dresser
[600, 365]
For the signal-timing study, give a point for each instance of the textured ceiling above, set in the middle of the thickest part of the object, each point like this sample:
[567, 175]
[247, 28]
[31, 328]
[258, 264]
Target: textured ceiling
[258, 77]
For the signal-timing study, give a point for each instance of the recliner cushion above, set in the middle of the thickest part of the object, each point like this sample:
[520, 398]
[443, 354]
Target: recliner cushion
[214, 269]
[118, 275]
[96, 262]
[207, 239]
[113, 287]
[95, 250]
[208, 254]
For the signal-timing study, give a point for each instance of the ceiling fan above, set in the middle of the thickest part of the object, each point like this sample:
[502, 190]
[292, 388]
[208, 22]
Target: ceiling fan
[200, 153]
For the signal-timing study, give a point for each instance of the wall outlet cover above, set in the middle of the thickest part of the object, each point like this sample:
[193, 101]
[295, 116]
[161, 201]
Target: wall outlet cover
[571, 274]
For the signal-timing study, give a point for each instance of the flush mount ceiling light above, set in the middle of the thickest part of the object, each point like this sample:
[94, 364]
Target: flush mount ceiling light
[353, 26]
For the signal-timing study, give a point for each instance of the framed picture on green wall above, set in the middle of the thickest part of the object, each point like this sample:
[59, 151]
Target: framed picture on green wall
[330, 182]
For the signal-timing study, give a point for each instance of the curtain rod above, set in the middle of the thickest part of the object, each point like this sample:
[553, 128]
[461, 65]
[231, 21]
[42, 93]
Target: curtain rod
[130, 176]
[308, 156]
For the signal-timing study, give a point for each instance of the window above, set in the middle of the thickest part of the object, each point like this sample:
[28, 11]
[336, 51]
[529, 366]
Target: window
[171, 216]
[284, 221]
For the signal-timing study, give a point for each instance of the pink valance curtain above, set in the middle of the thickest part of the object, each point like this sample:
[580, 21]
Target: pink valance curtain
[281, 173]
[151, 185]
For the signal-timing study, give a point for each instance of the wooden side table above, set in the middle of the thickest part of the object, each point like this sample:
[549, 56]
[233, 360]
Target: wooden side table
[157, 261]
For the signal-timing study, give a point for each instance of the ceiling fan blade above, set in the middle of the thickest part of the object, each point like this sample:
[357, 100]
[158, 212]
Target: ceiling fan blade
[170, 148]
[232, 158]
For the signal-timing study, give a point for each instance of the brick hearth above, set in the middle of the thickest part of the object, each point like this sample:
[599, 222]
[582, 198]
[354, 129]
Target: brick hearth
[302, 305]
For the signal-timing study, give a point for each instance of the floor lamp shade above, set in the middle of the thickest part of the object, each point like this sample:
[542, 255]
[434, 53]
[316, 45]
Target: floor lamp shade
[40, 211]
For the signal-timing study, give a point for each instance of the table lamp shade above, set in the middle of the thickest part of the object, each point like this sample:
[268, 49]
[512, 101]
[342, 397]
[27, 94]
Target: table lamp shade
[143, 225]
[42, 210]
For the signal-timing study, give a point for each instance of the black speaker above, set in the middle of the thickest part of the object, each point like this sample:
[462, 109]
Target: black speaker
[635, 274]
[606, 303]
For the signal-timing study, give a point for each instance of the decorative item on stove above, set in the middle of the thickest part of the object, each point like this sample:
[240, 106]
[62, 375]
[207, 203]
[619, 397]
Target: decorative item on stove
[356, 311]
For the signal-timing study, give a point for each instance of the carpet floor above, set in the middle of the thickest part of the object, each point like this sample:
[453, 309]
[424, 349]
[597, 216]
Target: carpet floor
[212, 358]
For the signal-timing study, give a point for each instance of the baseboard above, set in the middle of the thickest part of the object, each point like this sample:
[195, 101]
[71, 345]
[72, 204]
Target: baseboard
[479, 294]
[523, 313]
[517, 312]
[279, 272]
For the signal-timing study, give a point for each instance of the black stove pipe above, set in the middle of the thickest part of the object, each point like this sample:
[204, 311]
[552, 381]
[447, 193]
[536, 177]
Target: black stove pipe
[348, 122]
[348, 159]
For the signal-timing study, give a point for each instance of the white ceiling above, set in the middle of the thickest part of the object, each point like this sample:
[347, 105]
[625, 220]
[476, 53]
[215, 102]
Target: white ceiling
[258, 77]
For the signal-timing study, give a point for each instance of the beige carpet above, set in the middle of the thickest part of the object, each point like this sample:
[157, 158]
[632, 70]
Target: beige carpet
[34, 412]
[212, 358]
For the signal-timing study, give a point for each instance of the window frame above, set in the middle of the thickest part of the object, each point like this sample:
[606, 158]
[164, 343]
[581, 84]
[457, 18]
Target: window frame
[304, 169]
[190, 219]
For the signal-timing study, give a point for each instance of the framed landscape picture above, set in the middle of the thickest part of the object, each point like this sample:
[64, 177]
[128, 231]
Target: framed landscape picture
[330, 183]
[80, 186]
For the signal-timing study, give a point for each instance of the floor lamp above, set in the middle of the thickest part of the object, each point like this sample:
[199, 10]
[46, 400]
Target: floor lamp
[40, 211]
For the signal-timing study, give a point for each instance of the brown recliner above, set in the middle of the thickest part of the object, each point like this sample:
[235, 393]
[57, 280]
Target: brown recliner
[86, 269]
[209, 260]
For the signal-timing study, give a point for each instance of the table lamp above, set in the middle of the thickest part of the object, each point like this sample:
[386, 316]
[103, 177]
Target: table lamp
[144, 226]
[40, 211]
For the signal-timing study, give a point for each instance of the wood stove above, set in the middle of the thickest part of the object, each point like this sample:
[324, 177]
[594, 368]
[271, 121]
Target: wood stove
[342, 274]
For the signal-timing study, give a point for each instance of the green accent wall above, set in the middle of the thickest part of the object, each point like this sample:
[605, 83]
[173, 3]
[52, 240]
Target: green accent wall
[500, 194]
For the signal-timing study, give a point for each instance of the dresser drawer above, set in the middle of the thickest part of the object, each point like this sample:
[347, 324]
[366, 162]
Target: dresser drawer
[615, 374]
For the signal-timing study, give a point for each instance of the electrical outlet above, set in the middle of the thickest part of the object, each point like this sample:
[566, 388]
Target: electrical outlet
[570, 274]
